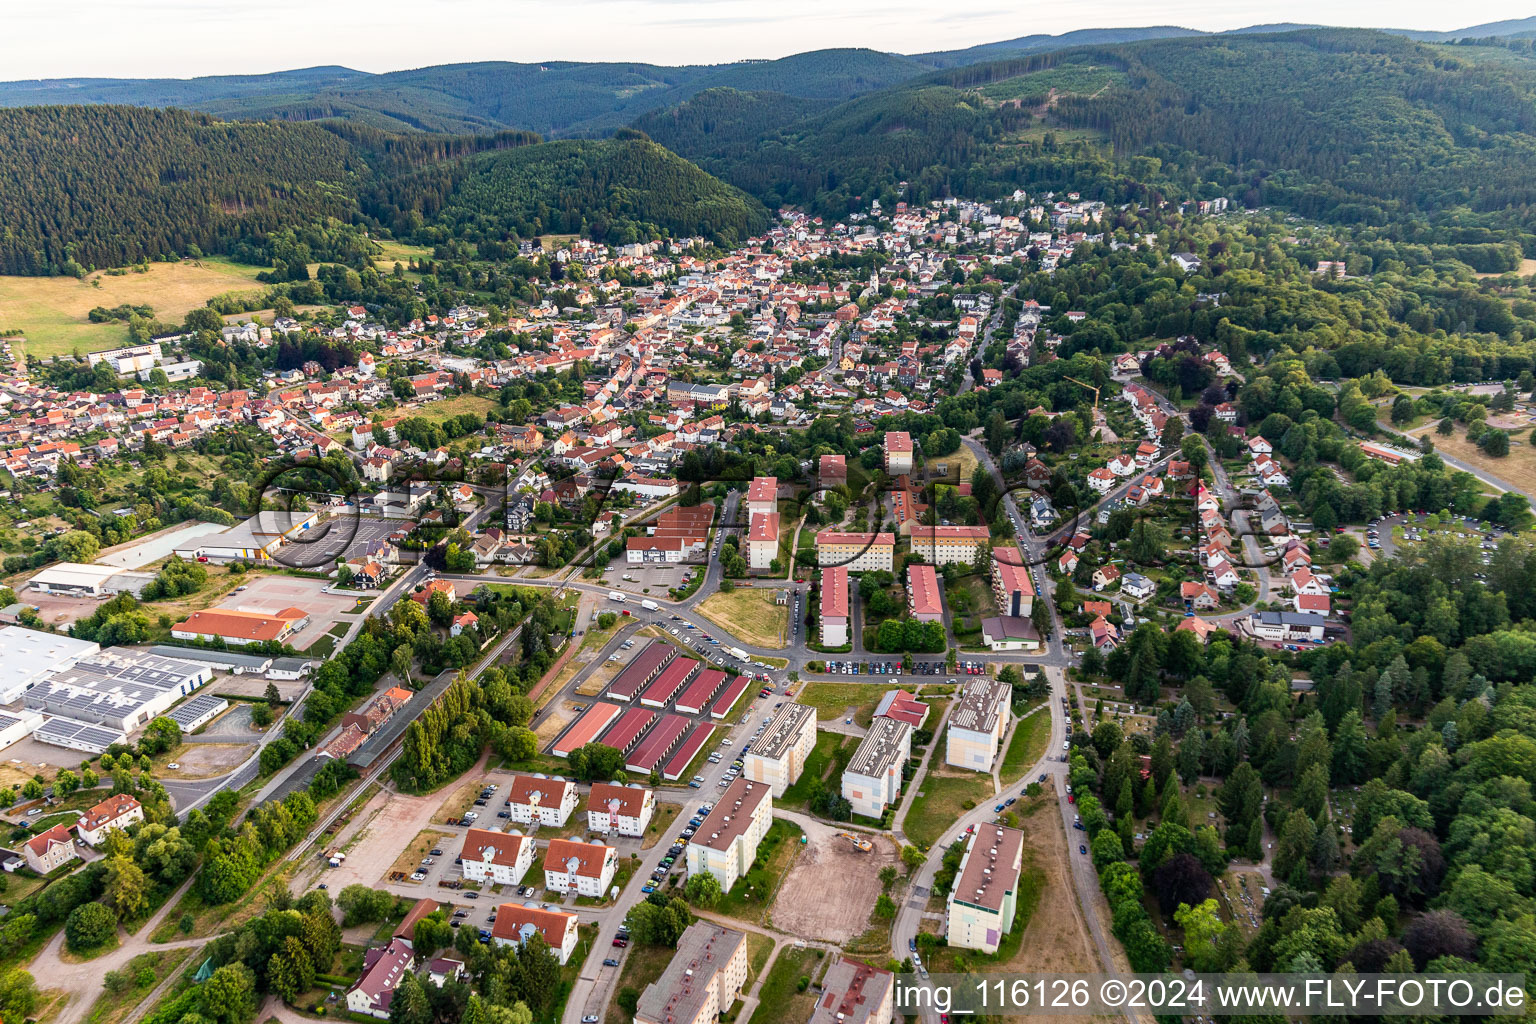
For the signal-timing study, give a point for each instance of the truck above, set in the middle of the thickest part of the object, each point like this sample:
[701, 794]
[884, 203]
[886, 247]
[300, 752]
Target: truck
[738, 654]
[650, 606]
[614, 595]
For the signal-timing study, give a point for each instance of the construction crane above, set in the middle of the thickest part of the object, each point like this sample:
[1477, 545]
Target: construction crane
[859, 842]
[1090, 387]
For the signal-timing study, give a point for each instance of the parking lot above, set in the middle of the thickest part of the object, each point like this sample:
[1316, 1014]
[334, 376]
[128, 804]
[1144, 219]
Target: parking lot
[344, 535]
[274, 593]
[658, 577]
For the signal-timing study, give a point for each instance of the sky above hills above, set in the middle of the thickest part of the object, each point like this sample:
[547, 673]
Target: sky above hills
[185, 38]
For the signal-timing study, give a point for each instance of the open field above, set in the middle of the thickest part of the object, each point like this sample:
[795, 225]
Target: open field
[749, 615]
[957, 468]
[1527, 268]
[840, 700]
[831, 892]
[443, 408]
[1029, 739]
[780, 998]
[831, 752]
[51, 311]
[661, 823]
[941, 800]
[1518, 467]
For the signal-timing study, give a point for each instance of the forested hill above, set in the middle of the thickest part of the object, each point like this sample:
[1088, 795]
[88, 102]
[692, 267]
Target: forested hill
[106, 186]
[616, 190]
[1348, 125]
[552, 98]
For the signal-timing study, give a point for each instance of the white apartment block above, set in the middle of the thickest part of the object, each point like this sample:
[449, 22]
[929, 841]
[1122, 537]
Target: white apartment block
[856, 552]
[586, 869]
[779, 754]
[982, 903]
[703, 980]
[626, 810]
[872, 780]
[501, 858]
[977, 724]
[541, 800]
[941, 545]
[726, 844]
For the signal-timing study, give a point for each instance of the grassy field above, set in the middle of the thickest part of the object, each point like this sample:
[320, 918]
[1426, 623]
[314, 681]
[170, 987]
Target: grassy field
[51, 311]
[942, 799]
[749, 615]
[1518, 468]
[1072, 77]
[946, 466]
[145, 972]
[781, 998]
[832, 700]
[832, 751]
[1028, 743]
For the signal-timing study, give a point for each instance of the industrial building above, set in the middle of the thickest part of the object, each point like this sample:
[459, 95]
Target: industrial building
[76, 579]
[255, 540]
[778, 756]
[31, 655]
[197, 712]
[872, 780]
[118, 689]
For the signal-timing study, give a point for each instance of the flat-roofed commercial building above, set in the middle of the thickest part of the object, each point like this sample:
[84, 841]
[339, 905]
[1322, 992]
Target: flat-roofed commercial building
[856, 552]
[941, 545]
[586, 869]
[924, 601]
[119, 688]
[779, 754]
[30, 655]
[704, 978]
[626, 810]
[977, 724]
[763, 540]
[853, 992]
[254, 540]
[76, 579]
[726, 844]
[239, 628]
[984, 899]
[502, 858]
[872, 780]
[898, 452]
[517, 922]
[1011, 585]
[834, 606]
[541, 800]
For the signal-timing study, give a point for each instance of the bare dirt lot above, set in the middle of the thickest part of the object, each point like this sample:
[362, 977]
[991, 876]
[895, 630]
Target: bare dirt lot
[554, 723]
[206, 760]
[830, 893]
[255, 686]
[372, 840]
[28, 757]
[1056, 940]
[57, 609]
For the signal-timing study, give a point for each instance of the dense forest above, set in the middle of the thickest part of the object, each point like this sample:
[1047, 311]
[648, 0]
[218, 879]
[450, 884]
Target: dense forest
[618, 190]
[87, 187]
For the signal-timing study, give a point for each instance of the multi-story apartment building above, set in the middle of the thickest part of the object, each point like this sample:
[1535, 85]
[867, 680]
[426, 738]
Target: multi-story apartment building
[1011, 585]
[704, 978]
[834, 606]
[982, 903]
[726, 844]
[898, 452]
[872, 780]
[941, 545]
[586, 869]
[626, 810]
[853, 992]
[117, 811]
[977, 724]
[763, 496]
[924, 601]
[497, 857]
[541, 800]
[763, 540]
[856, 552]
[779, 754]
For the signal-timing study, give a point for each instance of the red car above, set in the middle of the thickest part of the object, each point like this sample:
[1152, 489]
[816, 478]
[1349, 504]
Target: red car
[1071, 799]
